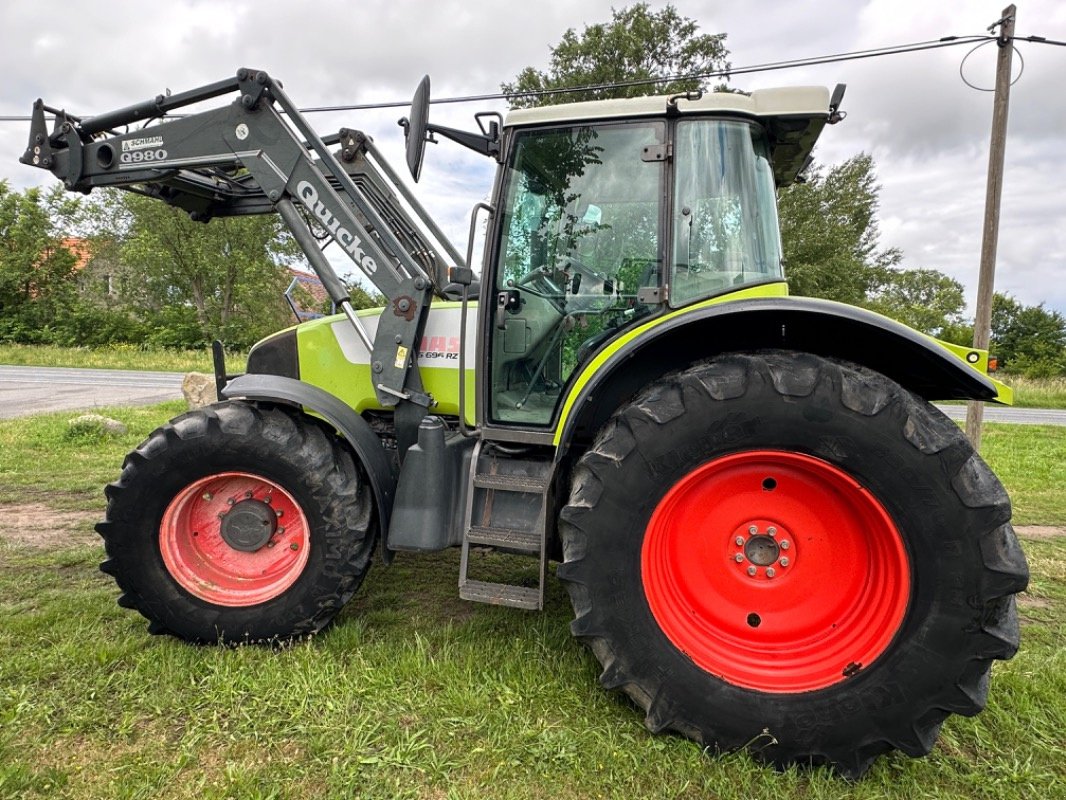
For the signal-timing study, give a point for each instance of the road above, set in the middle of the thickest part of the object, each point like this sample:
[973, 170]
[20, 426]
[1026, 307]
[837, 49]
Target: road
[33, 390]
[1018, 416]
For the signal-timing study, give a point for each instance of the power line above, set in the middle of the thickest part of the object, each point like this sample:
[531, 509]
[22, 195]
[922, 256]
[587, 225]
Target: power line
[728, 72]
[948, 41]
[1038, 40]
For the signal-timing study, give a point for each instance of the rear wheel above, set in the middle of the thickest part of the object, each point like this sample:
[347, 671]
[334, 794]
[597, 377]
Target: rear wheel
[238, 523]
[819, 566]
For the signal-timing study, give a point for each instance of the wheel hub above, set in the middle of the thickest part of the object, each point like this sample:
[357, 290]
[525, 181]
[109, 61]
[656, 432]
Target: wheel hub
[763, 550]
[249, 525]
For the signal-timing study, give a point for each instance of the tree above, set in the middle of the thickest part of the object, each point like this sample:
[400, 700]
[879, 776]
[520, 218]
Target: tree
[226, 276]
[637, 44]
[1028, 340]
[37, 280]
[829, 233]
[924, 299]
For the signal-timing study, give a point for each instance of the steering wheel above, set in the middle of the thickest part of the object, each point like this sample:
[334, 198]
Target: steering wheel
[567, 264]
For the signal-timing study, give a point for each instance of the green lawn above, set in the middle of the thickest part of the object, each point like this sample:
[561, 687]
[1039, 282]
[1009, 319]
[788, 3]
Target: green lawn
[1031, 462]
[1037, 392]
[116, 357]
[414, 693]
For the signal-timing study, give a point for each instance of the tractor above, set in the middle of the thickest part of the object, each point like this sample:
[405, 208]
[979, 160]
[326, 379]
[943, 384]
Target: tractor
[767, 532]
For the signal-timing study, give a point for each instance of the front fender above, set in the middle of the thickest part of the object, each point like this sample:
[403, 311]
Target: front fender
[349, 424]
[833, 330]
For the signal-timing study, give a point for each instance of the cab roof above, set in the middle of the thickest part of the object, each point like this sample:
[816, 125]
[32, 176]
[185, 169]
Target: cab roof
[793, 116]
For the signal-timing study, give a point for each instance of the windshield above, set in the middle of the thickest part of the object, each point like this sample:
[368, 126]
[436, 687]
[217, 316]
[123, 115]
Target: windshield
[580, 237]
[725, 211]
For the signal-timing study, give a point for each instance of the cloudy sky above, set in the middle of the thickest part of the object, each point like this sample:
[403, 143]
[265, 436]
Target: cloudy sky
[927, 131]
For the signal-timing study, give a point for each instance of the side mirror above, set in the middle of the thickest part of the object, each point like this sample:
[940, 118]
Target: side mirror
[415, 128]
[417, 131]
[835, 114]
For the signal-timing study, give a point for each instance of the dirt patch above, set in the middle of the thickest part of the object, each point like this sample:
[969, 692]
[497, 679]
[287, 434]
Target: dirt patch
[40, 527]
[1039, 531]
[1028, 601]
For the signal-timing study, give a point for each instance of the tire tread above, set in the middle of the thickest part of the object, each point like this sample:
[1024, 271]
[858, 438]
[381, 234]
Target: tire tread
[865, 393]
[339, 490]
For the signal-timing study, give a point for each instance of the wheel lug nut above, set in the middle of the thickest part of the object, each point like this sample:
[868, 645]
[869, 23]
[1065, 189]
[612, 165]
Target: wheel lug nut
[784, 544]
[771, 531]
[231, 501]
[783, 562]
[751, 571]
[281, 529]
[738, 557]
[279, 512]
[739, 541]
[753, 530]
[770, 572]
[207, 497]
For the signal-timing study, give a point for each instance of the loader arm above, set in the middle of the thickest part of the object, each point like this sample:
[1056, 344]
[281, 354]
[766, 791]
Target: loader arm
[259, 155]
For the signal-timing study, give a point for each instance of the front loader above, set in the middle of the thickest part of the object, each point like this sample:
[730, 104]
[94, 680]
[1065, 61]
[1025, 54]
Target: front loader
[767, 531]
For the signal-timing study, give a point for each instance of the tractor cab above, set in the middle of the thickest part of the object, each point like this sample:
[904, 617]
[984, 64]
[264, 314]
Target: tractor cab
[614, 211]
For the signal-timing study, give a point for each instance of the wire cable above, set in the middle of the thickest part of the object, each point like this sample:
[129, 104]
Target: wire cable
[975, 87]
[727, 72]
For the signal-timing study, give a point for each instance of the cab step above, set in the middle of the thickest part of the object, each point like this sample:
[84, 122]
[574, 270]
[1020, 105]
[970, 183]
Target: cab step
[501, 594]
[511, 483]
[505, 538]
[506, 512]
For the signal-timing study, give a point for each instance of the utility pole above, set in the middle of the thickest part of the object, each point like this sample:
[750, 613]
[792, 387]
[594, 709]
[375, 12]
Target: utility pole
[982, 326]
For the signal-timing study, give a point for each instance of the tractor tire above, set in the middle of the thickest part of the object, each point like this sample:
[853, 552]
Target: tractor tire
[794, 555]
[238, 523]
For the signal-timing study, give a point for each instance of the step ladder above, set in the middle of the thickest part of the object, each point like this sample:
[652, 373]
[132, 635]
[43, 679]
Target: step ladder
[506, 511]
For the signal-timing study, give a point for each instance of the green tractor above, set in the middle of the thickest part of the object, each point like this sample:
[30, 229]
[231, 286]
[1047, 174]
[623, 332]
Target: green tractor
[767, 532]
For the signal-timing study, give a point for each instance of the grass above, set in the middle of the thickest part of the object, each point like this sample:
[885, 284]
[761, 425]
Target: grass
[43, 461]
[1037, 392]
[116, 357]
[1031, 462]
[416, 694]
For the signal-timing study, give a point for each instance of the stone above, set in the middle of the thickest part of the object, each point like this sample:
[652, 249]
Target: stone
[199, 389]
[97, 423]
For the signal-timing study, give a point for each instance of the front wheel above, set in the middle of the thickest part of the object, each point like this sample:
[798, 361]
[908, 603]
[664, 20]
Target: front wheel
[819, 566]
[237, 523]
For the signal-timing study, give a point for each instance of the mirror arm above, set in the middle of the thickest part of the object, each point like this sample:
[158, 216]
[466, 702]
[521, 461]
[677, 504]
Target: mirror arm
[486, 145]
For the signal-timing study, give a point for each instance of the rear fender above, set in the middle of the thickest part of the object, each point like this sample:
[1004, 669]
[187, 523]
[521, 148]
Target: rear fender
[833, 330]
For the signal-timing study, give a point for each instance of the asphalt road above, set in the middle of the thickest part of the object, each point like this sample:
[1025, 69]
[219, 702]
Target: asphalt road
[33, 390]
[1018, 416]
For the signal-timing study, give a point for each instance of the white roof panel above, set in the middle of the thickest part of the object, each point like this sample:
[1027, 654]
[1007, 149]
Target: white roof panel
[803, 101]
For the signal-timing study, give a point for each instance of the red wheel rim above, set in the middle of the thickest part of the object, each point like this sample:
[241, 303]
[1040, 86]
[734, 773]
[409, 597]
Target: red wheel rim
[775, 571]
[234, 539]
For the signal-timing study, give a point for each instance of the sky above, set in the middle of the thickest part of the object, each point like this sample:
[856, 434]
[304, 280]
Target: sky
[928, 132]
